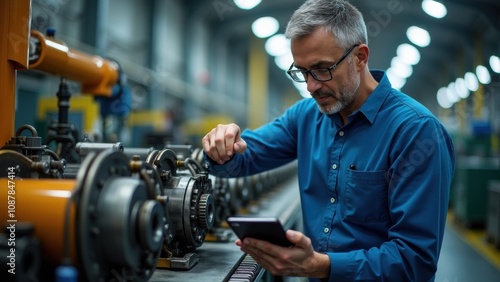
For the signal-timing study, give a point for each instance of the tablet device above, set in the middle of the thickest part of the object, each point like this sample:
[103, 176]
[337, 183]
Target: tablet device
[262, 228]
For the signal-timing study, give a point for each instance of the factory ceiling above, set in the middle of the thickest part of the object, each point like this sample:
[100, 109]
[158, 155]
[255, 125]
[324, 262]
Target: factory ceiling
[467, 36]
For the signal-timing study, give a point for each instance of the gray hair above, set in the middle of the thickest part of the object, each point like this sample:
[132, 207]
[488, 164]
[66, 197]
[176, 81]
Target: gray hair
[339, 17]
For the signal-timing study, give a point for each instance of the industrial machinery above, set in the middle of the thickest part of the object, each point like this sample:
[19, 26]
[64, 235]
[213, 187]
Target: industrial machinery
[110, 219]
[188, 190]
[194, 156]
[191, 208]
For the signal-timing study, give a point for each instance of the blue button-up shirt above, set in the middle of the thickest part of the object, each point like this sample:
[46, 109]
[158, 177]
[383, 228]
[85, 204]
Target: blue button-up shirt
[374, 192]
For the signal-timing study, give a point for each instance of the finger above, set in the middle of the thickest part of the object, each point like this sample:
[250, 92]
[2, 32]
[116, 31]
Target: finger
[275, 264]
[294, 236]
[298, 239]
[238, 243]
[263, 247]
[218, 147]
[205, 143]
[226, 134]
[232, 135]
[240, 146]
[263, 259]
[208, 143]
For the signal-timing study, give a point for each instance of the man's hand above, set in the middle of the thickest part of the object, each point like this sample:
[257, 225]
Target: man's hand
[300, 260]
[222, 142]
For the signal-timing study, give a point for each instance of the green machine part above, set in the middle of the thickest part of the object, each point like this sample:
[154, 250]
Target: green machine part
[493, 224]
[472, 177]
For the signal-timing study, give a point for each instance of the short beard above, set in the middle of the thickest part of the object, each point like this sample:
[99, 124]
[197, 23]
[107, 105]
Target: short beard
[347, 94]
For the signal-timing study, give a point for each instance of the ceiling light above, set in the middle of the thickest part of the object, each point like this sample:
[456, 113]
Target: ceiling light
[408, 53]
[461, 88]
[451, 93]
[395, 79]
[284, 61]
[495, 63]
[483, 75]
[265, 27]
[434, 8]
[471, 81]
[247, 4]
[277, 45]
[442, 98]
[418, 36]
[401, 68]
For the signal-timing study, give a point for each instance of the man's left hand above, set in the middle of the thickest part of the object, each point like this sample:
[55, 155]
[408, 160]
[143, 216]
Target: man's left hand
[299, 260]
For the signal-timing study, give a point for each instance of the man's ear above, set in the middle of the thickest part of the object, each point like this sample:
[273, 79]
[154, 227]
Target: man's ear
[361, 54]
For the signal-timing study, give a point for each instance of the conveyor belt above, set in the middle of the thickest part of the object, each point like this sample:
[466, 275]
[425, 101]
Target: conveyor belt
[224, 261]
[246, 270]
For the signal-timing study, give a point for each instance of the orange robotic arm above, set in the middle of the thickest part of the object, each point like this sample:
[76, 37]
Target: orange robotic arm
[97, 75]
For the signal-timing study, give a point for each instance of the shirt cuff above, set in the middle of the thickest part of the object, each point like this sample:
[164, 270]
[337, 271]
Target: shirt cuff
[225, 170]
[212, 162]
[342, 266]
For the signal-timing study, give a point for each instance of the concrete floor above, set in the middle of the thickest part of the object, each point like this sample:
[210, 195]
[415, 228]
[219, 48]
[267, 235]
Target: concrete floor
[466, 258]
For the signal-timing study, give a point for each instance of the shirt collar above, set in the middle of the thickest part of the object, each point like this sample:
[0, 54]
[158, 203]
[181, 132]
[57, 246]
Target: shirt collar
[372, 105]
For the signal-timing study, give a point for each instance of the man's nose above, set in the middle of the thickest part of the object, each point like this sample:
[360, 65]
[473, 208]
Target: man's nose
[313, 84]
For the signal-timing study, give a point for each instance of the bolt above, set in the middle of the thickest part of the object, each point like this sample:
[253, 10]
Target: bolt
[162, 199]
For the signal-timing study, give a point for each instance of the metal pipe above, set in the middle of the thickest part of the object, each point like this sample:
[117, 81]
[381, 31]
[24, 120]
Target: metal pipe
[97, 75]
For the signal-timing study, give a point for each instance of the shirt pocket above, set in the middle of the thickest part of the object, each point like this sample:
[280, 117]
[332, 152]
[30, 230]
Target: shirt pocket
[366, 197]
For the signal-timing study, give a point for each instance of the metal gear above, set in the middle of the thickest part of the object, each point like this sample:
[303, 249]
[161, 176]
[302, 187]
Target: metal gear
[206, 211]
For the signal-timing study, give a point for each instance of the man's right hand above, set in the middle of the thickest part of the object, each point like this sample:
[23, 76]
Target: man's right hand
[222, 142]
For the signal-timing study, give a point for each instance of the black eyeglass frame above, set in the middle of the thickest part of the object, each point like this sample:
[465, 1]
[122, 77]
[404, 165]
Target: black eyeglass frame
[305, 73]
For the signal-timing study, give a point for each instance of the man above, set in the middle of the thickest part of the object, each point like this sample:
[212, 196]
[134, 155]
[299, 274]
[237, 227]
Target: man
[374, 165]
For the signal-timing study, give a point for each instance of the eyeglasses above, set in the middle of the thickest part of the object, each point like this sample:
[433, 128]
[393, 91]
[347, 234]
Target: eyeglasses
[320, 74]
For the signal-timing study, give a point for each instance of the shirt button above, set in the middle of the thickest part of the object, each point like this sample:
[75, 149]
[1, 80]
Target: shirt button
[332, 200]
[334, 166]
[326, 230]
[341, 133]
